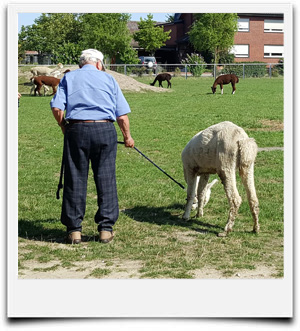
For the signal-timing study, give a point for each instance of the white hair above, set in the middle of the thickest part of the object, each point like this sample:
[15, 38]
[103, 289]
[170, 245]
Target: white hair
[90, 55]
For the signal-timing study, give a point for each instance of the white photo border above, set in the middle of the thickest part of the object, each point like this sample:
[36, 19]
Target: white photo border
[209, 298]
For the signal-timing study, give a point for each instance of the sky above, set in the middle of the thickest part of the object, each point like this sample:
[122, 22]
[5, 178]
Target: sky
[28, 18]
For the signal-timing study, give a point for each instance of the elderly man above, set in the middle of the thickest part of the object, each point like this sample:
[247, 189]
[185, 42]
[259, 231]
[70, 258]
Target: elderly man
[92, 101]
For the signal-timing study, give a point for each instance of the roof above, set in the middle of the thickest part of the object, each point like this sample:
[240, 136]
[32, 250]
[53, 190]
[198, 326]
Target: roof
[260, 15]
[132, 26]
[31, 52]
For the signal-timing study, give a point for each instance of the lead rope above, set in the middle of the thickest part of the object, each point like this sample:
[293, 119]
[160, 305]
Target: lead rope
[120, 142]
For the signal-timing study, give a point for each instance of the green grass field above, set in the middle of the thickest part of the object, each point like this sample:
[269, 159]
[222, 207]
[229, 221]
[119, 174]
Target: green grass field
[150, 230]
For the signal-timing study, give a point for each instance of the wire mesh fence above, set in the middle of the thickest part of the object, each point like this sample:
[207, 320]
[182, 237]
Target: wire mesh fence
[243, 70]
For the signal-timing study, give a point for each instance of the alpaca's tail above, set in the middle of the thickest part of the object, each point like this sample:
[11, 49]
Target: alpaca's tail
[208, 191]
[237, 79]
[247, 152]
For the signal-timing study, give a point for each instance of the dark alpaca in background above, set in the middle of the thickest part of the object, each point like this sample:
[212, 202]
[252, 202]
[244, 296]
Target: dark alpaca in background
[162, 77]
[223, 80]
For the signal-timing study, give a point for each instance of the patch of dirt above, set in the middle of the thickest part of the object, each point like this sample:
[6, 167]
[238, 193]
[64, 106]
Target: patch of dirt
[269, 125]
[269, 149]
[273, 125]
[119, 269]
[116, 269]
[127, 83]
[186, 236]
[260, 272]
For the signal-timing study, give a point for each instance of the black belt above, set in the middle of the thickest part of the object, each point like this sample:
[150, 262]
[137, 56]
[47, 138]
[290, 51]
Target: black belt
[87, 121]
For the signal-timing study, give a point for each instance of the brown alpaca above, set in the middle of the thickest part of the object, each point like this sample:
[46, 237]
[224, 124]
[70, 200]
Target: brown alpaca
[162, 77]
[223, 80]
[39, 81]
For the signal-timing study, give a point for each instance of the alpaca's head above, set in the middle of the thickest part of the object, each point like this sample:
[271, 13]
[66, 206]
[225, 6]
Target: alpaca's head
[213, 89]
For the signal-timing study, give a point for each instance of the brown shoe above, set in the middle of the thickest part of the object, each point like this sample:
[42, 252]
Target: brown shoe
[106, 236]
[74, 237]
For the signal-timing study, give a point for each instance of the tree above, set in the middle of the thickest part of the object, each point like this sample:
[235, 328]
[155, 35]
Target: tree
[49, 32]
[170, 18]
[108, 33]
[213, 32]
[149, 36]
[66, 35]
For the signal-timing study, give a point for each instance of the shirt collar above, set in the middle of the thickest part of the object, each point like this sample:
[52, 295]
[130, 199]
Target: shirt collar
[89, 67]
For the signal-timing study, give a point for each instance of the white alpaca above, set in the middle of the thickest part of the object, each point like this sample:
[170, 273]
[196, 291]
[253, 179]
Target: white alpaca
[221, 149]
[45, 71]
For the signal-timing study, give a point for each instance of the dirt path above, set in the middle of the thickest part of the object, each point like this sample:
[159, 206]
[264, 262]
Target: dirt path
[115, 269]
[270, 149]
[124, 270]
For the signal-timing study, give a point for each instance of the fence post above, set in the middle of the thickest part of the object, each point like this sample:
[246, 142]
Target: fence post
[185, 69]
[270, 70]
[215, 71]
[125, 70]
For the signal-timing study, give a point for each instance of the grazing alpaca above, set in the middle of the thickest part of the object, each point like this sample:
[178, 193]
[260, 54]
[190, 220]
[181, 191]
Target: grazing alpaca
[162, 77]
[223, 80]
[39, 81]
[221, 149]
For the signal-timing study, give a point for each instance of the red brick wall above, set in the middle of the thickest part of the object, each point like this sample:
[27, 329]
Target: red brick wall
[256, 38]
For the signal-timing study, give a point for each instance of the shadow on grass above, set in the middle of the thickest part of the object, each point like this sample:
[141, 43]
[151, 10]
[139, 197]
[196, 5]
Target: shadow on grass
[50, 230]
[37, 230]
[164, 216]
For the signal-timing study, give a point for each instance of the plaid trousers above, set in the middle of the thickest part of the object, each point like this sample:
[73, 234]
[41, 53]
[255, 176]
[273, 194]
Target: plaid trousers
[84, 142]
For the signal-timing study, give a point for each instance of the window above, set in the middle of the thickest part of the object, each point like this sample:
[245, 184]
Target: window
[273, 51]
[243, 25]
[240, 50]
[273, 26]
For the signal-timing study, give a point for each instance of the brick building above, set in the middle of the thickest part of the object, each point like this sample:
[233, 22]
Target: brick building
[259, 38]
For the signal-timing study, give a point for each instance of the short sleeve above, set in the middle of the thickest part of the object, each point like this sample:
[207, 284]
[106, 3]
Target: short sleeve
[60, 98]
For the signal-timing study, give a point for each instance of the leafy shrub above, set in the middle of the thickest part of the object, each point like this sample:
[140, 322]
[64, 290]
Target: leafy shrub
[177, 72]
[251, 70]
[139, 71]
[196, 64]
[226, 58]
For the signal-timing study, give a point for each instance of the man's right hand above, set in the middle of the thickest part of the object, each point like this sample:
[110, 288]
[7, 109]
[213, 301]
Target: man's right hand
[129, 142]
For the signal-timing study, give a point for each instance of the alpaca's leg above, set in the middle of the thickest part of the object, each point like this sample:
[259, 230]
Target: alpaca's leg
[233, 88]
[221, 87]
[46, 89]
[201, 192]
[53, 89]
[37, 89]
[191, 180]
[32, 89]
[247, 175]
[234, 199]
[195, 202]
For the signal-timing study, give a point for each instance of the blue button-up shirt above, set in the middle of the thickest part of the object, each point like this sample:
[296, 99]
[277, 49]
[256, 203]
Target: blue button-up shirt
[90, 94]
